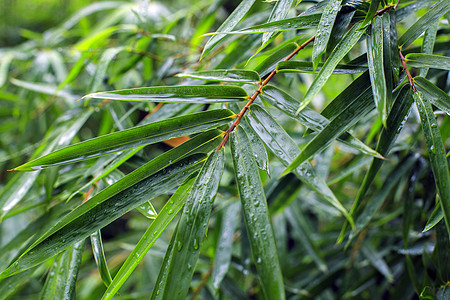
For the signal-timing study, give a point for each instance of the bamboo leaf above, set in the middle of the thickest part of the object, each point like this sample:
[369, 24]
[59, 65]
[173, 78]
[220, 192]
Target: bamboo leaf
[376, 66]
[279, 12]
[102, 67]
[377, 261]
[100, 258]
[222, 257]
[176, 94]
[282, 145]
[358, 109]
[436, 96]
[256, 216]
[345, 45]
[192, 227]
[156, 228]
[307, 67]
[420, 60]
[436, 216]
[429, 40]
[259, 150]
[324, 30]
[309, 117]
[428, 19]
[242, 76]
[269, 64]
[236, 16]
[90, 216]
[132, 138]
[436, 153]
[371, 13]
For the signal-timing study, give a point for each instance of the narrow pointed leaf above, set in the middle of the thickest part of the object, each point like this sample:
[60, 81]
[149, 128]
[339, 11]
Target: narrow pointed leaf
[90, 216]
[346, 44]
[300, 22]
[156, 228]
[429, 40]
[376, 66]
[307, 67]
[371, 13]
[132, 138]
[282, 145]
[192, 227]
[436, 216]
[100, 258]
[222, 258]
[309, 117]
[279, 12]
[236, 16]
[359, 108]
[259, 150]
[436, 96]
[324, 29]
[377, 261]
[436, 153]
[176, 94]
[420, 60]
[427, 20]
[102, 67]
[242, 76]
[256, 216]
[269, 64]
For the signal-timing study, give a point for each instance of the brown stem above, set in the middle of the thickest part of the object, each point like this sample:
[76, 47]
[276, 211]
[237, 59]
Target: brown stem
[252, 98]
[410, 78]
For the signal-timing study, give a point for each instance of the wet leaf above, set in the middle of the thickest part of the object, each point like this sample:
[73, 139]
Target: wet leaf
[242, 76]
[420, 60]
[307, 67]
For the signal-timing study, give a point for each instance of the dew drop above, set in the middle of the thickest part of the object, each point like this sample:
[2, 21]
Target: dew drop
[180, 245]
[432, 149]
[434, 125]
[195, 244]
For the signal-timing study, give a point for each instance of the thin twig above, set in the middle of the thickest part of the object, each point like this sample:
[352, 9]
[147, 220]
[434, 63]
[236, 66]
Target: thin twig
[252, 98]
[410, 78]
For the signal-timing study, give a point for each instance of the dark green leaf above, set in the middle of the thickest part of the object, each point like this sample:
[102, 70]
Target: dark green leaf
[436, 96]
[100, 258]
[242, 76]
[307, 67]
[256, 215]
[420, 60]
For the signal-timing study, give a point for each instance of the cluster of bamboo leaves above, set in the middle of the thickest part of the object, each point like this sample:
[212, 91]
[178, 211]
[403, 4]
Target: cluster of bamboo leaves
[335, 183]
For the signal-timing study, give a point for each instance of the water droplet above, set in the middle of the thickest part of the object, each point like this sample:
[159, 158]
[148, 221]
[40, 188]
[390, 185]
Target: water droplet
[195, 244]
[155, 232]
[170, 211]
[259, 260]
[432, 149]
[434, 125]
[180, 245]
[256, 203]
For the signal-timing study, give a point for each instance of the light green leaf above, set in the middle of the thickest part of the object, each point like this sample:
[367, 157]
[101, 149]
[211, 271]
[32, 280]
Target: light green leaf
[242, 76]
[436, 153]
[357, 110]
[436, 96]
[90, 216]
[156, 228]
[10, 286]
[279, 12]
[346, 44]
[371, 13]
[429, 40]
[420, 60]
[100, 258]
[192, 227]
[282, 145]
[102, 67]
[236, 16]
[132, 138]
[5, 62]
[307, 67]
[309, 117]
[324, 30]
[256, 216]
[176, 94]
[428, 19]
[376, 66]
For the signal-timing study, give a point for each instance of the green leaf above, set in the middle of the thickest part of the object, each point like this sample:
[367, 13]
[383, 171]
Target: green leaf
[345, 45]
[100, 258]
[176, 94]
[357, 110]
[259, 150]
[242, 76]
[307, 67]
[436, 216]
[90, 216]
[420, 60]
[395, 122]
[300, 22]
[428, 19]
[102, 67]
[279, 12]
[192, 227]
[236, 16]
[62, 278]
[376, 66]
[222, 257]
[309, 117]
[10, 286]
[429, 40]
[371, 13]
[132, 138]
[269, 64]
[436, 153]
[256, 216]
[324, 30]
[5, 62]
[282, 145]
[377, 261]
[156, 228]
[436, 96]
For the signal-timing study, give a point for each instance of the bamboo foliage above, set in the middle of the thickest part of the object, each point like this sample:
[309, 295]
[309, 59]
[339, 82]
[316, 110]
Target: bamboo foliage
[240, 169]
